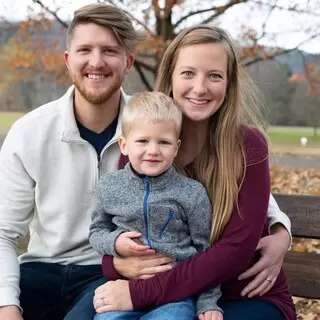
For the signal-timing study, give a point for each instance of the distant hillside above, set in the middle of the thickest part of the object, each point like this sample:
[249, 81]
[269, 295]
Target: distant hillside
[293, 60]
[296, 59]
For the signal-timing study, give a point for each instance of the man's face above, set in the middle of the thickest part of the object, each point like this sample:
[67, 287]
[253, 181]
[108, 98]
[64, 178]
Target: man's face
[97, 62]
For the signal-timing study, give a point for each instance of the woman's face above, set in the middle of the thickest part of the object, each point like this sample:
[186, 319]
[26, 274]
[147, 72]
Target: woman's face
[199, 80]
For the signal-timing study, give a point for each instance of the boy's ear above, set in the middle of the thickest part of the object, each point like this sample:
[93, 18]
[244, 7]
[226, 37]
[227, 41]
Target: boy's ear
[123, 145]
[178, 146]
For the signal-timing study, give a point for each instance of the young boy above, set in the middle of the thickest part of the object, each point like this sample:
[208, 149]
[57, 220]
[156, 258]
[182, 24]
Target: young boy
[150, 200]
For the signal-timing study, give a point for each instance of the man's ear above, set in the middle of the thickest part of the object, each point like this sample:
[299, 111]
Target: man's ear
[130, 61]
[66, 58]
[123, 145]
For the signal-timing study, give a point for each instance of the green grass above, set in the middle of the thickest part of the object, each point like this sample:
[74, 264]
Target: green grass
[280, 134]
[286, 140]
[7, 119]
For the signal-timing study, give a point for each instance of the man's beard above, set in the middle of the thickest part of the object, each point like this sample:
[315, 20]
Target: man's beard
[99, 96]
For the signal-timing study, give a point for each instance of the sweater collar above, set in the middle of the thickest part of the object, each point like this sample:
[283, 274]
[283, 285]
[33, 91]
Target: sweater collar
[159, 181]
[69, 130]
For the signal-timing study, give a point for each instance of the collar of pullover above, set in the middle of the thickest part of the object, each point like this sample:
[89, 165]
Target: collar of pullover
[155, 181]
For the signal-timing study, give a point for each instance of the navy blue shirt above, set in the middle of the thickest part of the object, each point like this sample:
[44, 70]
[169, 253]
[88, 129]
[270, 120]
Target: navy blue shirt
[98, 140]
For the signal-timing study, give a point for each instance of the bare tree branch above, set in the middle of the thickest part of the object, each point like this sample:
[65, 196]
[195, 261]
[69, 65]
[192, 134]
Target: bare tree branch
[290, 8]
[53, 13]
[272, 56]
[219, 10]
[142, 76]
[146, 66]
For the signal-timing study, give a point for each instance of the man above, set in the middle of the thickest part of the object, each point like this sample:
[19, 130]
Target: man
[50, 163]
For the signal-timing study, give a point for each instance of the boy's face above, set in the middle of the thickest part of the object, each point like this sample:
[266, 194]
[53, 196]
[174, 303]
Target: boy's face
[151, 146]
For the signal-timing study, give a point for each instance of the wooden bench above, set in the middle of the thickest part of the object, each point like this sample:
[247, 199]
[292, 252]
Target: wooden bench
[302, 268]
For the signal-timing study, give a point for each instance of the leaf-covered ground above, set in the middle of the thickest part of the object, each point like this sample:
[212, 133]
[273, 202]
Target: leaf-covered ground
[300, 181]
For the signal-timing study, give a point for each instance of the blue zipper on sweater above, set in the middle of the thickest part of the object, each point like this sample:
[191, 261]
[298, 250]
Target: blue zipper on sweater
[145, 211]
[170, 218]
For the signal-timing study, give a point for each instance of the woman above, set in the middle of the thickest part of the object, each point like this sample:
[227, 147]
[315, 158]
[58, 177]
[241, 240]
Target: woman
[230, 158]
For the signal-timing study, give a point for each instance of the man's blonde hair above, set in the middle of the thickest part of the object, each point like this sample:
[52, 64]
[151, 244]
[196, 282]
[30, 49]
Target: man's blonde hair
[108, 17]
[150, 106]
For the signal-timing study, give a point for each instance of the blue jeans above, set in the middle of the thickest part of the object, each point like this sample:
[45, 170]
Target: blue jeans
[251, 309]
[53, 291]
[183, 310]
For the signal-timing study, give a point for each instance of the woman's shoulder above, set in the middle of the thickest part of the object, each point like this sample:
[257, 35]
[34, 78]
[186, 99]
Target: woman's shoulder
[255, 145]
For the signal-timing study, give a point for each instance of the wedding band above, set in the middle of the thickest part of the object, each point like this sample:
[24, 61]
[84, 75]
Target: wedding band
[267, 279]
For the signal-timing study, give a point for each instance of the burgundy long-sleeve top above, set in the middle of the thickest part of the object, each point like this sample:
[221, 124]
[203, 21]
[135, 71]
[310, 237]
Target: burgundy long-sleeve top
[234, 253]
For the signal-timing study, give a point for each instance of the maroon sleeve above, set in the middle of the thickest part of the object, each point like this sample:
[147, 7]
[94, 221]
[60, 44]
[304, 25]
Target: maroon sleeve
[108, 269]
[228, 257]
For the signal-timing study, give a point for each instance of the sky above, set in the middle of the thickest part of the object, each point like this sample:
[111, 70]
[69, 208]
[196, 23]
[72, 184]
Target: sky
[284, 29]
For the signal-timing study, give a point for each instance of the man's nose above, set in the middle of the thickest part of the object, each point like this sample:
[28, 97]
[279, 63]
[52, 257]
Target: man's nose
[96, 59]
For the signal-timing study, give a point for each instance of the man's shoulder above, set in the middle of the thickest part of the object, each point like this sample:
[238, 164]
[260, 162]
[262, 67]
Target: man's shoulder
[40, 118]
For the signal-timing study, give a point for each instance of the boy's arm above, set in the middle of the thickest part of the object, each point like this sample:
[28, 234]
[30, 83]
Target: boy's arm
[207, 301]
[102, 232]
[199, 221]
[16, 211]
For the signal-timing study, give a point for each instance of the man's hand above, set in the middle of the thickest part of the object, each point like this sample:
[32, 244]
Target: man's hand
[10, 313]
[128, 245]
[211, 315]
[273, 249]
[142, 267]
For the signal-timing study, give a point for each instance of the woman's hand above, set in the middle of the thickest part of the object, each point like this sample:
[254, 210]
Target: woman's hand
[273, 249]
[112, 296]
[142, 267]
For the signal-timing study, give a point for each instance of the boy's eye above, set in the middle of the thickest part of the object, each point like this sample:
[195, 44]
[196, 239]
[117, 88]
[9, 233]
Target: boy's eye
[142, 141]
[165, 142]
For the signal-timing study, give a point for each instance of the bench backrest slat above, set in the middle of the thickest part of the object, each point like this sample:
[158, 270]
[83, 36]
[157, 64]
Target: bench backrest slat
[304, 213]
[302, 269]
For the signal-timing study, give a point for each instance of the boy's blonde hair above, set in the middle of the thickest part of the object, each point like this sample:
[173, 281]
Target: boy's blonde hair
[150, 106]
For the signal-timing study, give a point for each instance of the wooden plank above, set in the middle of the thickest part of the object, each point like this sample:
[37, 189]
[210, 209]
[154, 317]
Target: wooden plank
[304, 213]
[303, 274]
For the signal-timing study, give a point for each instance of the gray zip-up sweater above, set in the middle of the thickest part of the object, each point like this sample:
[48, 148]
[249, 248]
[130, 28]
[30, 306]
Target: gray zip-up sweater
[171, 211]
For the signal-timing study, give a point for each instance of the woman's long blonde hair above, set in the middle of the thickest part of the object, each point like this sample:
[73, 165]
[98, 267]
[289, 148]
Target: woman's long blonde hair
[221, 165]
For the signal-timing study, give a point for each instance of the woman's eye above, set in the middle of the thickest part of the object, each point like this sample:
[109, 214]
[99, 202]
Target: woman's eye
[187, 73]
[215, 76]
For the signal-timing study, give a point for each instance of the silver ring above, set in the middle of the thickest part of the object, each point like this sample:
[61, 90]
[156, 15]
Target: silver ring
[267, 279]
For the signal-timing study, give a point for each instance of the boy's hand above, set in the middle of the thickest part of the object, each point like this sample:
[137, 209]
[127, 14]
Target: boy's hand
[211, 315]
[128, 245]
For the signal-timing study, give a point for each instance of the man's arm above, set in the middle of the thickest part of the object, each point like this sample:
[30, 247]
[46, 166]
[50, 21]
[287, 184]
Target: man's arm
[16, 211]
[278, 220]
